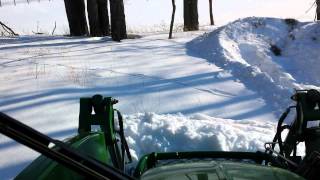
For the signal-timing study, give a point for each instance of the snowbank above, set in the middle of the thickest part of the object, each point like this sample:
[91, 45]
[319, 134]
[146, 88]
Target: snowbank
[150, 132]
[270, 56]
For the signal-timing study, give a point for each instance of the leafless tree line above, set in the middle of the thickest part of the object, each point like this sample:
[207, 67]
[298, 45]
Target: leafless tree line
[98, 16]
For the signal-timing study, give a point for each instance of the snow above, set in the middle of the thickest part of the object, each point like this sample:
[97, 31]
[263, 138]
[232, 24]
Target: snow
[150, 132]
[244, 48]
[208, 90]
[44, 77]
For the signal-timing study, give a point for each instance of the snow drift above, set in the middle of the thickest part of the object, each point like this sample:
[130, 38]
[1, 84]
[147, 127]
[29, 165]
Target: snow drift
[270, 56]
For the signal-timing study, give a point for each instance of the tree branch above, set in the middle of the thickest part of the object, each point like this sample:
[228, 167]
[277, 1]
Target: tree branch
[172, 18]
[6, 28]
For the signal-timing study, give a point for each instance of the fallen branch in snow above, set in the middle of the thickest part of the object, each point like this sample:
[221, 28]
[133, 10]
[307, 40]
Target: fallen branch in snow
[54, 29]
[8, 30]
[38, 33]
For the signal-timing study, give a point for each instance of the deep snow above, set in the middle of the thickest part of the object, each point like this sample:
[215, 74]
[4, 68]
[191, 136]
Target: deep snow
[244, 48]
[220, 91]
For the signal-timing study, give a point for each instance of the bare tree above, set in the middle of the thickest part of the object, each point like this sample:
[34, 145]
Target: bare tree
[318, 10]
[172, 18]
[210, 12]
[118, 20]
[190, 13]
[76, 15]
[98, 17]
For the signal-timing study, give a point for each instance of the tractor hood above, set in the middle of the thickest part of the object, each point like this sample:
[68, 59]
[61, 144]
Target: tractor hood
[215, 170]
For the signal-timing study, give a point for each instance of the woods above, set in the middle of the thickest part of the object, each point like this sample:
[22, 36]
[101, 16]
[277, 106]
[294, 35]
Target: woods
[108, 18]
[99, 22]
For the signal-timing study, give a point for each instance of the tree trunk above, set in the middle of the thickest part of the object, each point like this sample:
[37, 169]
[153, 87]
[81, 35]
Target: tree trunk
[118, 20]
[104, 17]
[98, 17]
[172, 18]
[190, 13]
[75, 10]
[93, 17]
[318, 10]
[211, 14]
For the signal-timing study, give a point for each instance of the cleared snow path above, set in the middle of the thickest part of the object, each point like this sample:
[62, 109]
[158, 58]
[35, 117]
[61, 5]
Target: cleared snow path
[42, 79]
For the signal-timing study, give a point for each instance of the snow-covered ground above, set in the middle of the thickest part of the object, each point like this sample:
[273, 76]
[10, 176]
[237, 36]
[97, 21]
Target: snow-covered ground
[219, 90]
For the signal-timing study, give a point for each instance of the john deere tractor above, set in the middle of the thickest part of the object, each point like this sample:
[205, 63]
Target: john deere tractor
[100, 150]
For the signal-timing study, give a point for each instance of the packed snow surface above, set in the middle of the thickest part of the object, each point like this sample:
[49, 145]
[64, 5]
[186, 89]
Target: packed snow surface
[218, 90]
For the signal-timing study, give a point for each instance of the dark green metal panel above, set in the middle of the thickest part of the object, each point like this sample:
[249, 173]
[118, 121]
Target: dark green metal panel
[148, 167]
[101, 145]
[91, 144]
[149, 161]
[98, 110]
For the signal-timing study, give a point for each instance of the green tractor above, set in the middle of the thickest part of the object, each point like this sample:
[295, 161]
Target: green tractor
[100, 150]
